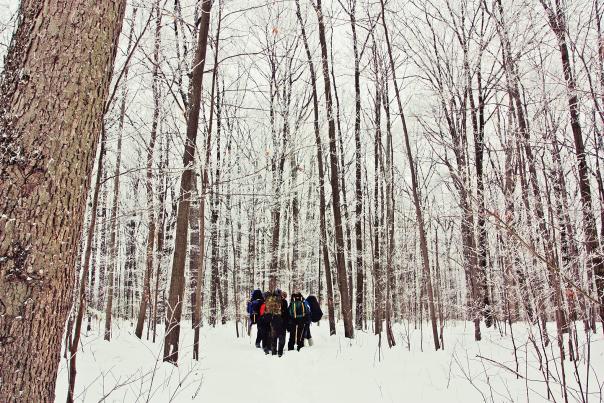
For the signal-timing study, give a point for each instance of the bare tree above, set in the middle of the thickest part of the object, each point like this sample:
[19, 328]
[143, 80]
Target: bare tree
[414, 188]
[176, 293]
[146, 295]
[334, 179]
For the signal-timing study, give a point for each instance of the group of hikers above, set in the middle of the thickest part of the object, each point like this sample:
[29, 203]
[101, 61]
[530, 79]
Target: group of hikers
[273, 316]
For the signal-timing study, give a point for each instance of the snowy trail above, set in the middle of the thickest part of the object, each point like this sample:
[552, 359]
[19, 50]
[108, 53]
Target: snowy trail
[333, 370]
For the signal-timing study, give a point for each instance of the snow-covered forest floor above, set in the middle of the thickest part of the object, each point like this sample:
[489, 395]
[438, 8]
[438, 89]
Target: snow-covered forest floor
[334, 369]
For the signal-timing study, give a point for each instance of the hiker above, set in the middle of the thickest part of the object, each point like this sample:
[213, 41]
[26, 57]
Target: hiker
[285, 320]
[315, 316]
[264, 325]
[275, 317]
[299, 314]
[253, 310]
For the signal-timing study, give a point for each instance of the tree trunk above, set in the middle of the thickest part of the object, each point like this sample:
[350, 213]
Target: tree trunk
[557, 21]
[322, 204]
[197, 320]
[215, 285]
[335, 186]
[177, 280]
[348, 236]
[360, 292]
[48, 146]
[378, 283]
[149, 183]
[415, 190]
[160, 232]
[194, 266]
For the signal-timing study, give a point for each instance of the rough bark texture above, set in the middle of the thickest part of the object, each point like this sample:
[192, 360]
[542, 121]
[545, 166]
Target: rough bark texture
[53, 88]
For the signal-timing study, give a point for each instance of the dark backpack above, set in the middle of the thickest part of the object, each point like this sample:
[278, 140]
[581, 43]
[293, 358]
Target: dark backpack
[315, 309]
[273, 305]
[254, 310]
[256, 294]
[297, 310]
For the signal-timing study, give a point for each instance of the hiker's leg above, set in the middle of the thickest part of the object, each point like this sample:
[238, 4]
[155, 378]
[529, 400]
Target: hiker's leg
[266, 336]
[301, 337]
[276, 330]
[292, 340]
[274, 337]
[259, 335]
[281, 341]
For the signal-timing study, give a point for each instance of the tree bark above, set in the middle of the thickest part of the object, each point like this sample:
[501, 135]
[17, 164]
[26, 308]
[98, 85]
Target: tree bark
[177, 280]
[335, 186]
[50, 124]
[360, 292]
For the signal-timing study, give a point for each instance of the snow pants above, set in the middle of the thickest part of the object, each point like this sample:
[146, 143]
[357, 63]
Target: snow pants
[296, 335]
[275, 335]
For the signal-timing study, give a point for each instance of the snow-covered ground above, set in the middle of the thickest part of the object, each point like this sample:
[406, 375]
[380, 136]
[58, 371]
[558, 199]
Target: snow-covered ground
[333, 370]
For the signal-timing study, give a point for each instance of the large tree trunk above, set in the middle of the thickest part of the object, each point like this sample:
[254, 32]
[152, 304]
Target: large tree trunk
[335, 185]
[149, 182]
[50, 124]
[177, 280]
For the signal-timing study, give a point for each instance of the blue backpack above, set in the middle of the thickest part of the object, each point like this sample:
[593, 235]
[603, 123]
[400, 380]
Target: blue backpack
[253, 306]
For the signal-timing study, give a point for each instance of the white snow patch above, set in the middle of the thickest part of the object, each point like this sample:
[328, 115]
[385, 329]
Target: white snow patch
[335, 369]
